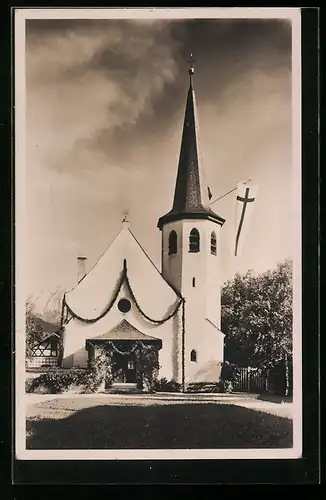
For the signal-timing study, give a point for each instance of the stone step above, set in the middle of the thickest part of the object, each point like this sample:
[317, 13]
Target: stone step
[207, 388]
[119, 388]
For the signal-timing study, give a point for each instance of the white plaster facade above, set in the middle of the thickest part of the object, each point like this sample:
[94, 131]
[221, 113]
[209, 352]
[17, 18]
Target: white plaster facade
[155, 297]
[189, 283]
[196, 276]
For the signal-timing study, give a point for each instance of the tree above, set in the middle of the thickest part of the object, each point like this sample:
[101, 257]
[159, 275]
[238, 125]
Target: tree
[257, 318]
[34, 331]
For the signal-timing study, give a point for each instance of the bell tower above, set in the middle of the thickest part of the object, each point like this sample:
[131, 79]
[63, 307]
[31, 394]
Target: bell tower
[191, 250]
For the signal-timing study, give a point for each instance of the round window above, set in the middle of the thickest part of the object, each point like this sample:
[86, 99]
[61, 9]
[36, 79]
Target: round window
[124, 305]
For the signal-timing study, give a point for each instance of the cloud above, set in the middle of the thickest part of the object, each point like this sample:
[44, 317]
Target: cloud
[105, 104]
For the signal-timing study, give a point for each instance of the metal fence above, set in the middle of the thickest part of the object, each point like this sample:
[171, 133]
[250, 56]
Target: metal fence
[277, 380]
[251, 380]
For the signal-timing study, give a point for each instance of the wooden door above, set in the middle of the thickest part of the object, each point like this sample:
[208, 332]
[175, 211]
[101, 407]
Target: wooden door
[124, 369]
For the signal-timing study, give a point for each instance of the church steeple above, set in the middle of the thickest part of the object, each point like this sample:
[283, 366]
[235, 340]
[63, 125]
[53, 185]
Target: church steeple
[191, 195]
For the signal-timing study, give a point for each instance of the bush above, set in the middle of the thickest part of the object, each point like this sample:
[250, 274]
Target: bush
[41, 389]
[57, 380]
[29, 385]
[148, 358]
[163, 385]
[226, 386]
[40, 369]
[230, 374]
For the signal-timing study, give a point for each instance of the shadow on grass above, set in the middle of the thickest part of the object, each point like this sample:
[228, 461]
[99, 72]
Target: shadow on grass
[170, 426]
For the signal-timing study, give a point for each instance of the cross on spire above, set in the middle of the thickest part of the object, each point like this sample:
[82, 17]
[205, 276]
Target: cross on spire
[191, 69]
[125, 220]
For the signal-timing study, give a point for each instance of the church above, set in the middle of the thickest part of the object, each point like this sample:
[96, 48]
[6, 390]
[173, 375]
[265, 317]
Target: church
[127, 304]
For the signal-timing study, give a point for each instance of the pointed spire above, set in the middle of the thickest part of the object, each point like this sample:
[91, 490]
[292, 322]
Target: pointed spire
[191, 195]
[191, 69]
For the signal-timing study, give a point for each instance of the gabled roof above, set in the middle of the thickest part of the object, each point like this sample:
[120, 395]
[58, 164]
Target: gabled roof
[96, 290]
[124, 331]
[191, 198]
[54, 336]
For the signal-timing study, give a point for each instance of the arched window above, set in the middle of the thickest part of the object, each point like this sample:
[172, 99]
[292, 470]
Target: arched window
[213, 243]
[194, 240]
[194, 282]
[193, 356]
[173, 242]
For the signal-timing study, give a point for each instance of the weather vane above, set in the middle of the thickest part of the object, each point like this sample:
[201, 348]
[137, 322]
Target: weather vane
[191, 69]
[125, 216]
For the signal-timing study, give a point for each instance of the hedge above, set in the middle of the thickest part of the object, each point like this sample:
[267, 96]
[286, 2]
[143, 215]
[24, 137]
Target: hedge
[59, 380]
[163, 385]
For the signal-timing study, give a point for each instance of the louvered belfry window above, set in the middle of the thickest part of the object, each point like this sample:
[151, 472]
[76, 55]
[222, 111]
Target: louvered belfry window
[194, 240]
[213, 243]
[173, 242]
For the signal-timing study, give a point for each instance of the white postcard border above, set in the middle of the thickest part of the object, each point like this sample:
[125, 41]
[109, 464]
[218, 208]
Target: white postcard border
[292, 14]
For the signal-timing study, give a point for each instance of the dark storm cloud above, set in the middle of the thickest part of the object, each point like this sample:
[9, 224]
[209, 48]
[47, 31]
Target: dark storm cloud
[223, 49]
[107, 97]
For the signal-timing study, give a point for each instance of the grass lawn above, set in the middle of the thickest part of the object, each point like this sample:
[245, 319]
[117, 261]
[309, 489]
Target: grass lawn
[78, 424]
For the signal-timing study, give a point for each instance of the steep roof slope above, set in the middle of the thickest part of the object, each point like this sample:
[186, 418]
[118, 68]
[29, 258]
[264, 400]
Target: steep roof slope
[96, 290]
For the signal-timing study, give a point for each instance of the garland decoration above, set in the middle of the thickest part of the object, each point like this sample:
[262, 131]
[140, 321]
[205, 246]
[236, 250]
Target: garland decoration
[123, 279]
[123, 353]
[136, 345]
[106, 310]
[62, 319]
[156, 321]
[103, 366]
[147, 347]
[67, 319]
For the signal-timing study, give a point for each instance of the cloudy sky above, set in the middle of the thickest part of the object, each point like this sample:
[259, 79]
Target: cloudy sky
[105, 102]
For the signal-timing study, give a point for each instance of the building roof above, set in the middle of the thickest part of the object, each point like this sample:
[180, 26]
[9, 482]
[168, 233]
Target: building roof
[124, 331]
[191, 198]
[54, 336]
[96, 290]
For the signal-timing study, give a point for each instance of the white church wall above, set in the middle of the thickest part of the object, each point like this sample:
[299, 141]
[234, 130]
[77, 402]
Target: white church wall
[213, 275]
[180, 269]
[202, 297]
[196, 275]
[209, 347]
[76, 333]
[80, 358]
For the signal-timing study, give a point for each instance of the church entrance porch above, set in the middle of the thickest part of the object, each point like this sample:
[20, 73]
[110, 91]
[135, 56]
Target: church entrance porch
[127, 364]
